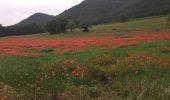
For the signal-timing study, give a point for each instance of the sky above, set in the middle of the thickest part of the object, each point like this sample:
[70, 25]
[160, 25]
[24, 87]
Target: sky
[13, 11]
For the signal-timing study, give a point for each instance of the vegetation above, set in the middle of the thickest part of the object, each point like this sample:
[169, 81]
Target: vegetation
[71, 25]
[99, 11]
[125, 60]
[57, 26]
[106, 11]
[168, 20]
[85, 26]
[52, 27]
[21, 30]
[60, 25]
[1, 27]
[109, 73]
[32, 25]
[37, 18]
[89, 68]
[123, 18]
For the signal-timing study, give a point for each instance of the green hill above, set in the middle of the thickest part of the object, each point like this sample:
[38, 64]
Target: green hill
[37, 18]
[101, 11]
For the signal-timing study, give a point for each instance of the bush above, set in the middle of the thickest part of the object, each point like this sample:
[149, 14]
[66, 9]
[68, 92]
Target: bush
[71, 25]
[123, 18]
[57, 26]
[21, 30]
[85, 26]
[1, 26]
[168, 20]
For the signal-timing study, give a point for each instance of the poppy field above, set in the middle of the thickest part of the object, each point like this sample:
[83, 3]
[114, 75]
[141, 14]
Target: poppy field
[132, 65]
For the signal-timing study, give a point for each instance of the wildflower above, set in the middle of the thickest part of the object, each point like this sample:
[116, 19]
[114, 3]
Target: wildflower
[53, 73]
[18, 46]
[93, 82]
[69, 62]
[3, 98]
[109, 78]
[78, 72]
[164, 64]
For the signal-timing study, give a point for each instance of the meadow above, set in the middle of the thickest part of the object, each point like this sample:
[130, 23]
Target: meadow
[115, 61]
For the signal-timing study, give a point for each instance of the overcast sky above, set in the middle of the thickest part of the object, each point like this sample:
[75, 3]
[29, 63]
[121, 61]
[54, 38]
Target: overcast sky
[13, 11]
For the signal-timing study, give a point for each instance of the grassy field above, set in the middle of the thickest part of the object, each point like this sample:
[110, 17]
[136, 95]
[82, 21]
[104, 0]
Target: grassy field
[155, 24]
[137, 71]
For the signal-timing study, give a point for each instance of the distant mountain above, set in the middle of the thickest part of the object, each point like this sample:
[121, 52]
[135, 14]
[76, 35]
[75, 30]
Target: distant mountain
[95, 11]
[32, 25]
[38, 18]
[101, 11]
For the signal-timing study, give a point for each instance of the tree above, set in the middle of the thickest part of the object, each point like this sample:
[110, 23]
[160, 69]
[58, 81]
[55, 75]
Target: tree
[77, 22]
[168, 20]
[29, 29]
[57, 25]
[52, 26]
[1, 26]
[63, 23]
[85, 26]
[71, 25]
[123, 18]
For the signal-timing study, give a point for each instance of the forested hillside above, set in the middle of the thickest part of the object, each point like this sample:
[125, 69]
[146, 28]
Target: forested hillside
[101, 11]
[93, 12]
[38, 18]
[32, 25]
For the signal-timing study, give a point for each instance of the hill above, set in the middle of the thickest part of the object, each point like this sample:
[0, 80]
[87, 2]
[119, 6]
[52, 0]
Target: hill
[37, 18]
[118, 61]
[32, 25]
[101, 11]
[148, 24]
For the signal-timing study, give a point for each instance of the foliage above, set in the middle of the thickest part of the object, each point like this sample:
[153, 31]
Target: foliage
[52, 27]
[1, 26]
[85, 26]
[32, 25]
[38, 18]
[57, 26]
[102, 11]
[168, 20]
[21, 30]
[90, 68]
[71, 25]
[123, 18]
[127, 73]
[77, 22]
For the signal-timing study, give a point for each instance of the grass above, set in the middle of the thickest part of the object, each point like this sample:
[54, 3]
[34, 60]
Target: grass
[136, 72]
[154, 24]
[150, 23]
[125, 83]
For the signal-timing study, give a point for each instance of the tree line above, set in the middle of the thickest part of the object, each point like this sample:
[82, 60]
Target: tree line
[58, 25]
[20, 30]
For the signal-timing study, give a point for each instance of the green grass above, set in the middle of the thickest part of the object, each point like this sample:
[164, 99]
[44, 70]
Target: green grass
[142, 24]
[150, 83]
[150, 23]
[112, 74]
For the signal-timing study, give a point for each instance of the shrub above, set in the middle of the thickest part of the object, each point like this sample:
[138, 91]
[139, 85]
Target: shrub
[57, 26]
[71, 25]
[85, 26]
[168, 20]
